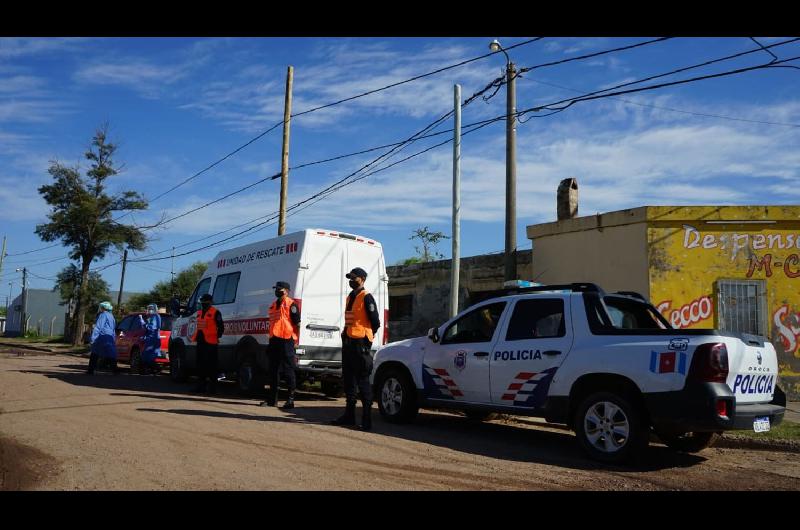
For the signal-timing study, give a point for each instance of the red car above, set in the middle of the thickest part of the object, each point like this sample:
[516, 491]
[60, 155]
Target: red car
[130, 340]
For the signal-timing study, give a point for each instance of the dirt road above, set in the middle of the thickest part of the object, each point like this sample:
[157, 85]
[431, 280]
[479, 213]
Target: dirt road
[63, 430]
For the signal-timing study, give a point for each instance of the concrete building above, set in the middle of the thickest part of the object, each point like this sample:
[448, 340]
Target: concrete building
[45, 313]
[734, 268]
[419, 294]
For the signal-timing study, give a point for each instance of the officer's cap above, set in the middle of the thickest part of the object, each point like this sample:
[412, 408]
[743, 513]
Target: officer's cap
[358, 271]
[281, 285]
[206, 298]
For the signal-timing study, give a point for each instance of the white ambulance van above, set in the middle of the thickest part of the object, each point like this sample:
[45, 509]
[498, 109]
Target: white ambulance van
[314, 262]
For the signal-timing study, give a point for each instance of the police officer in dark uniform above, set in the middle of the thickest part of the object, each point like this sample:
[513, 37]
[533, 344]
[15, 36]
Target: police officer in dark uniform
[284, 324]
[361, 323]
[209, 330]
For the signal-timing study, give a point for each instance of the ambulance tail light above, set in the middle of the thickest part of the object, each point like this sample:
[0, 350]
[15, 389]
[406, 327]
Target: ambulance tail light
[709, 364]
[385, 326]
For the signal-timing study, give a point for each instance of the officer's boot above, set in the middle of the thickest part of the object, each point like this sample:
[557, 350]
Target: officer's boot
[349, 416]
[289, 401]
[366, 415]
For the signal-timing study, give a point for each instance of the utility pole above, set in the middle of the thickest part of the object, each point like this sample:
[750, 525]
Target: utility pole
[287, 114]
[23, 325]
[456, 259]
[2, 255]
[511, 164]
[122, 279]
[172, 271]
[511, 174]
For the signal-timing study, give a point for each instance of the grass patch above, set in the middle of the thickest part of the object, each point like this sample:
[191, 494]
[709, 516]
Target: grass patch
[787, 430]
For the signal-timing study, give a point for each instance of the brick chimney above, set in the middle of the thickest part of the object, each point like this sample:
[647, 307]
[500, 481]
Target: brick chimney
[567, 199]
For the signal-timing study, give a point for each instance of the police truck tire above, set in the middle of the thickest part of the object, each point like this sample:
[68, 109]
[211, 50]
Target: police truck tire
[177, 365]
[396, 396]
[610, 428]
[689, 442]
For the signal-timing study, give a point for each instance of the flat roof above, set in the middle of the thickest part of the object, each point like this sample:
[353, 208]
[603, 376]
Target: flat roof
[668, 214]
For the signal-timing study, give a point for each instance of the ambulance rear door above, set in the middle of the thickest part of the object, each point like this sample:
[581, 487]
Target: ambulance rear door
[322, 268]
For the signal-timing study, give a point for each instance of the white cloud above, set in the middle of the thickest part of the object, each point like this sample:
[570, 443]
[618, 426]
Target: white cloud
[147, 78]
[20, 200]
[253, 99]
[14, 47]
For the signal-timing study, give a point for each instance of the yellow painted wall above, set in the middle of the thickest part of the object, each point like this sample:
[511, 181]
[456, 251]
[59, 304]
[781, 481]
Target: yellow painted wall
[687, 254]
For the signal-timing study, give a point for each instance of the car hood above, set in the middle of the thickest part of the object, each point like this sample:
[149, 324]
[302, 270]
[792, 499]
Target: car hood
[397, 347]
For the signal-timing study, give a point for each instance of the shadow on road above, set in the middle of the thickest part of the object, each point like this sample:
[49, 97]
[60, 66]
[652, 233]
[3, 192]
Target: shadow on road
[494, 440]
[451, 431]
[161, 384]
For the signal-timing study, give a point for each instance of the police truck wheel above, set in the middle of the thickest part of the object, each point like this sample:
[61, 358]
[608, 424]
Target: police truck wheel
[397, 397]
[136, 362]
[688, 442]
[610, 428]
[249, 377]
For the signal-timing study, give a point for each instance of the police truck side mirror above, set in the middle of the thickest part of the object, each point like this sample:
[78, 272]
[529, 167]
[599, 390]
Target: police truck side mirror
[433, 334]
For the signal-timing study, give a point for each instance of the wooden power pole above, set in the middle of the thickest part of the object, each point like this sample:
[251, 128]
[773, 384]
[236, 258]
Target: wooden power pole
[287, 114]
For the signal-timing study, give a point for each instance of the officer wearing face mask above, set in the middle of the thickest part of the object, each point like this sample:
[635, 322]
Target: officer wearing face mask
[361, 323]
[209, 330]
[284, 325]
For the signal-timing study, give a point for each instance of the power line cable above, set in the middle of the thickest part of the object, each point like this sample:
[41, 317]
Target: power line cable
[328, 105]
[597, 95]
[32, 251]
[659, 107]
[590, 55]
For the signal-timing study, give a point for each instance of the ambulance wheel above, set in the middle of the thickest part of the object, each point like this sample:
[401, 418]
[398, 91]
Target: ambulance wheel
[397, 396]
[689, 442]
[177, 364]
[249, 377]
[610, 428]
[479, 415]
[136, 361]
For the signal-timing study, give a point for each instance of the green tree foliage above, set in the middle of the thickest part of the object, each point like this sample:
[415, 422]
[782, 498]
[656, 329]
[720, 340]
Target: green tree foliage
[68, 283]
[82, 214]
[429, 240]
[162, 292]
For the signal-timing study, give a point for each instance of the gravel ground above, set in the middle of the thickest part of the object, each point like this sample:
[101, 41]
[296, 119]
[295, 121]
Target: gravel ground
[63, 430]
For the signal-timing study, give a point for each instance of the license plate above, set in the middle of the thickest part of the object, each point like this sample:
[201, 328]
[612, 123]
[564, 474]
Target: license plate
[761, 424]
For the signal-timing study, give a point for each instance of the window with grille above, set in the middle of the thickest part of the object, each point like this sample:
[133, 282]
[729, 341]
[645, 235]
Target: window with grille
[741, 306]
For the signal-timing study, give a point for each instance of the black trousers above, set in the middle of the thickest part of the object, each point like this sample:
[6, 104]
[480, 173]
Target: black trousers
[207, 359]
[95, 357]
[356, 368]
[281, 359]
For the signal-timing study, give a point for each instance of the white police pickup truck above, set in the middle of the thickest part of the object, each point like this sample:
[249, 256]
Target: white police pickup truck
[608, 365]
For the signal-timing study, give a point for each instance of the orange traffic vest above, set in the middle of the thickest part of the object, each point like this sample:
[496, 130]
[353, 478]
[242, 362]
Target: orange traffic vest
[280, 323]
[208, 325]
[356, 321]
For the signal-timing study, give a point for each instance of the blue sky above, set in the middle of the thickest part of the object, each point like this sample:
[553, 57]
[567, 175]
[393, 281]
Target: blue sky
[175, 105]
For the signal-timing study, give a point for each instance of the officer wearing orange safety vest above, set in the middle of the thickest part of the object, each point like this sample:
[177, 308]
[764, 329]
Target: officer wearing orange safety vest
[209, 330]
[361, 323]
[284, 324]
